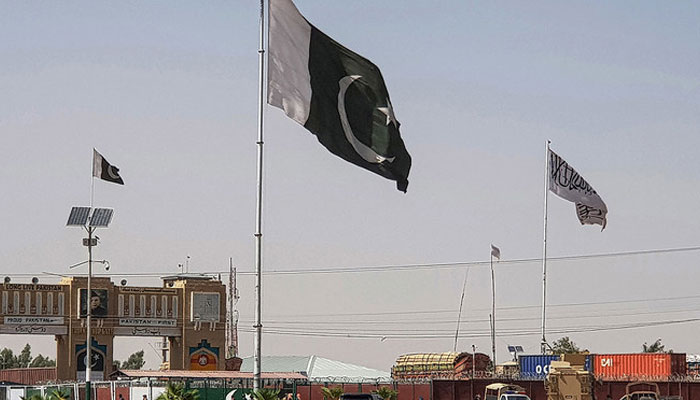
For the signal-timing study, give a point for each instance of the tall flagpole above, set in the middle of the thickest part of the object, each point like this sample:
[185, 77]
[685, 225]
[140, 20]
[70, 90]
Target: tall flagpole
[258, 206]
[493, 313]
[543, 343]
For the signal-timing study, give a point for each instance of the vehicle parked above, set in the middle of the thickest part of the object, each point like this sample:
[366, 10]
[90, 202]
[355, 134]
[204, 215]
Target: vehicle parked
[503, 391]
[641, 391]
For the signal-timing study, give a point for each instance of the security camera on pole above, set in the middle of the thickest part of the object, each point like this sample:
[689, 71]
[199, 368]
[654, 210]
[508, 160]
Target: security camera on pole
[90, 219]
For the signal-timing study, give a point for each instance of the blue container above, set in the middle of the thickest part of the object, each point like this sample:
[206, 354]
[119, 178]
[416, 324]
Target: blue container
[535, 366]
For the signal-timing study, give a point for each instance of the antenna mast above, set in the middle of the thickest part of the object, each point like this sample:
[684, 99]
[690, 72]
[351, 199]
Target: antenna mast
[232, 313]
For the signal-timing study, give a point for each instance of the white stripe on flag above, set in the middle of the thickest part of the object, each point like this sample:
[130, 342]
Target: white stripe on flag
[96, 164]
[288, 76]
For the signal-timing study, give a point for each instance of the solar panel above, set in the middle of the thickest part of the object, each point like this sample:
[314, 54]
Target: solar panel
[78, 216]
[511, 349]
[519, 349]
[101, 217]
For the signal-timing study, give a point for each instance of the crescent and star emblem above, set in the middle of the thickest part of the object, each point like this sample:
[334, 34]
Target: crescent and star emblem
[113, 172]
[364, 151]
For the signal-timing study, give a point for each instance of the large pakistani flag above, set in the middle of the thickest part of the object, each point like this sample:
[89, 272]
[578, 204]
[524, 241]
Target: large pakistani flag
[566, 183]
[335, 93]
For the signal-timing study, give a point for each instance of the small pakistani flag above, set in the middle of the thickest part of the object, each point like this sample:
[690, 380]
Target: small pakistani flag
[102, 169]
[495, 252]
[335, 93]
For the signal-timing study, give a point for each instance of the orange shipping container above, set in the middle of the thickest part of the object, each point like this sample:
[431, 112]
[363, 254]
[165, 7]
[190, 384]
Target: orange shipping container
[650, 365]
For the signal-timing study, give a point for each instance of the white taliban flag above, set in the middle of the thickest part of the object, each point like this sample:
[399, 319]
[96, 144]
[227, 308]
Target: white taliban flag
[566, 183]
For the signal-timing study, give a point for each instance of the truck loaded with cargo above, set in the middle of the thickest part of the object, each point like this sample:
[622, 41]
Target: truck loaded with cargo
[449, 365]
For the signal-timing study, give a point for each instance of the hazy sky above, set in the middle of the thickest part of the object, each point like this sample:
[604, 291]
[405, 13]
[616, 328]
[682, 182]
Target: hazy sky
[167, 91]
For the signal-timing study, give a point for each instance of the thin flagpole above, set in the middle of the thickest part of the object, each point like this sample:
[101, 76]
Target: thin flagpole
[92, 180]
[493, 312]
[258, 208]
[88, 295]
[461, 302]
[543, 344]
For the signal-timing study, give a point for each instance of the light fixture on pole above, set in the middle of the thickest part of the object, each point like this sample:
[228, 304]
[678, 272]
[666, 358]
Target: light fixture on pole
[90, 219]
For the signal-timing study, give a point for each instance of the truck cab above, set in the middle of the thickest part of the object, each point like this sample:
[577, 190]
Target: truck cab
[503, 391]
[641, 391]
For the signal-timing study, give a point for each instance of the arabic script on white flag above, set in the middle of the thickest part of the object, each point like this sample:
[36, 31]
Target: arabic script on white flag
[566, 183]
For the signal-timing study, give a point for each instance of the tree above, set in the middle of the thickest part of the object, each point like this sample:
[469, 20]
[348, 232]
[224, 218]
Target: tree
[177, 391]
[387, 393]
[656, 347]
[267, 394]
[24, 360]
[7, 359]
[565, 346]
[59, 394]
[41, 361]
[25, 357]
[333, 393]
[135, 361]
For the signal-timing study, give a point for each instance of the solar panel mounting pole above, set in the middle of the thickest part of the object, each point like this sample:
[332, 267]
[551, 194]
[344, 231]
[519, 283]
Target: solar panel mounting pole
[88, 297]
[259, 204]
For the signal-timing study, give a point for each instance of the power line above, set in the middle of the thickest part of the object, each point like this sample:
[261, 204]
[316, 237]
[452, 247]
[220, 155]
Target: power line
[395, 267]
[468, 321]
[412, 336]
[454, 311]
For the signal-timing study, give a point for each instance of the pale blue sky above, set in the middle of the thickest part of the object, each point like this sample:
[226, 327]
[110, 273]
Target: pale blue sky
[167, 91]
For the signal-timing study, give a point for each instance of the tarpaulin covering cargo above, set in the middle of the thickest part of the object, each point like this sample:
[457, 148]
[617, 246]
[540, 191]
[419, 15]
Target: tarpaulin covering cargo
[443, 364]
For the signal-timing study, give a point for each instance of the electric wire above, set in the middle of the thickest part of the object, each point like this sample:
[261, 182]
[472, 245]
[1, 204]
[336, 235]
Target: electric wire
[387, 267]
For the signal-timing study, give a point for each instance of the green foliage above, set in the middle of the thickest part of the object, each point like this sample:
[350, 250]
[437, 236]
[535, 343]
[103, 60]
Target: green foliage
[333, 393]
[41, 361]
[267, 394]
[177, 391]
[135, 361]
[656, 347]
[35, 396]
[59, 394]
[25, 357]
[7, 359]
[387, 393]
[565, 346]
[24, 360]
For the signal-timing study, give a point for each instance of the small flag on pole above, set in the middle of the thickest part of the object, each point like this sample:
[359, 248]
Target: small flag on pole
[495, 252]
[566, 183]
[102, 169]
[336, 94]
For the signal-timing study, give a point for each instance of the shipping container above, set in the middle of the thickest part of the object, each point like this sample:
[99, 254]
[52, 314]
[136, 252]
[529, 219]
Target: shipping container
[535, 366]
[641, 365]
